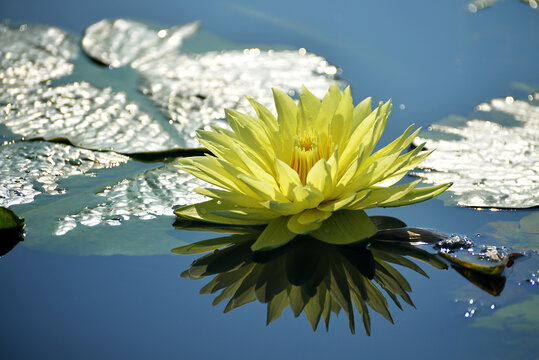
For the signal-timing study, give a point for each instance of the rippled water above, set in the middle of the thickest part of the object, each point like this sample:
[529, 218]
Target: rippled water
[114, 290]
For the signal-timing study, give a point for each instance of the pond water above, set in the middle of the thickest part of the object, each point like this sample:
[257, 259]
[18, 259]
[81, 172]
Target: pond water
[116, 292]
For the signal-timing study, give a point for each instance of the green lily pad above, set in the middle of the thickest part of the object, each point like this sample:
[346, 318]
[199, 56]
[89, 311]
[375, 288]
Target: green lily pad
[28, 169]
[146, 196]
[492, 163]
[32, 54]
[87, 117]
[122, 41]
[193, 90]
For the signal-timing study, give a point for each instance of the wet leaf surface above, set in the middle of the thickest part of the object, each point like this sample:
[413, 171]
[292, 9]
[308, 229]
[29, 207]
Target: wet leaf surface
[492, 163]
[122, 41]
[194, 89]
[88, 117]
[150, 194]
[33, 54]
[28, 169]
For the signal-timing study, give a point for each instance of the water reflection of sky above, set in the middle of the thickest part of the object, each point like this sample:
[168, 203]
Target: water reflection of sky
[436, 58]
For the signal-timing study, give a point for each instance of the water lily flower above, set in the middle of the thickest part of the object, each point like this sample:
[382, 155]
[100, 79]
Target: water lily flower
[313, 169]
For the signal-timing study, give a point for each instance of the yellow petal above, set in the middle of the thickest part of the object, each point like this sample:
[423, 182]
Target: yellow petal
[204, 212]
[287, 178]
[308, 108]
[361, 111]
[308, 196]
[419, 195]
[230, 197]
[298, 223]
[342, 119]
[263, 189]
[319, 177]
[217, 172]
[287, 119]
[381, 196]
[339, 203]
[327, 109]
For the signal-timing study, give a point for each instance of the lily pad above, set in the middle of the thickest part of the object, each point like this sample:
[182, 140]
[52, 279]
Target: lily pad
[120, 42]
[32, 54]
[151, 194]
[194, 89]
[88, 117]
[28, 169]
[492, 163]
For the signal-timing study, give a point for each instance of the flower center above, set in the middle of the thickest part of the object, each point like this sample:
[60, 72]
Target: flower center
[308, 149]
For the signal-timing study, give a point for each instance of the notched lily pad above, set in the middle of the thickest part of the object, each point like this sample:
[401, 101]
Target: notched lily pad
[28, 169]
[121, 42]
[88, 117]
[194, 90]
[492, 163]
[151, 194]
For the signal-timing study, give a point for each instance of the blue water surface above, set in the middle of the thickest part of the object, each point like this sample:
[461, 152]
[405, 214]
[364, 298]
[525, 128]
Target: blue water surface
[433, 58]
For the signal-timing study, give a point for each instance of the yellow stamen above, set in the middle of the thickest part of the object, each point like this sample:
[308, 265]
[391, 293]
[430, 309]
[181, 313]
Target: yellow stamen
[308, 149]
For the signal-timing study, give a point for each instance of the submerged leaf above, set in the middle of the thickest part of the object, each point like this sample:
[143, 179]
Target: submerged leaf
[521, 235]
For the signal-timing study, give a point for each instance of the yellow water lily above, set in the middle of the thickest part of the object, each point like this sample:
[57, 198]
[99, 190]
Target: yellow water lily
[313, 169]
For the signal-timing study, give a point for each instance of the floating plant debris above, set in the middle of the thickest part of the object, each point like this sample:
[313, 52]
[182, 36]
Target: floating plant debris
[492, 163]
[455, 242]
[489, 260]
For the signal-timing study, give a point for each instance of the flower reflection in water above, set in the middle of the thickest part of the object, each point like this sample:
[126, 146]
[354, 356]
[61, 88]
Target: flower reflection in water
[311, 276]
